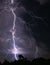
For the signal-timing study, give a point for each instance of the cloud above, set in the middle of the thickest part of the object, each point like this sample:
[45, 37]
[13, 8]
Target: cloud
[24, 38]
[42, 1]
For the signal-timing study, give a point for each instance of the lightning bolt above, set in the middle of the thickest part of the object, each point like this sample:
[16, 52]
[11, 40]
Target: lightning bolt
[13, 35]
[13, 29]
[14, 50]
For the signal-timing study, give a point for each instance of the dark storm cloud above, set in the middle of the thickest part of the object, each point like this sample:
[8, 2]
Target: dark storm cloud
[43, 1]
[38, 20]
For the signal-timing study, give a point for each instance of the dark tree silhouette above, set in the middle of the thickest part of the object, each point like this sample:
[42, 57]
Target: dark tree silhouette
[20, 57]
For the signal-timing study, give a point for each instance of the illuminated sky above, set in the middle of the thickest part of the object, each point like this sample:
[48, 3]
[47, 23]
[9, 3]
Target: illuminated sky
[24, 29]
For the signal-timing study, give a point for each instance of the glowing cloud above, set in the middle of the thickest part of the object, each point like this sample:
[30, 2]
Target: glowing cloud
[15, 51]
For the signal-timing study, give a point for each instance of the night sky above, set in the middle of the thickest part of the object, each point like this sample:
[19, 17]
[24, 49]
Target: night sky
[31, 29]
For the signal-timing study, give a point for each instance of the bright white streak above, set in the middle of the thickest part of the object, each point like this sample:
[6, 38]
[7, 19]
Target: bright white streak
[13, 29]
[14, 50]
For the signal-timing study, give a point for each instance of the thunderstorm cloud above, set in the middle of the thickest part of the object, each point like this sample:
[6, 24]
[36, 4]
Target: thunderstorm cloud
[32, 28]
